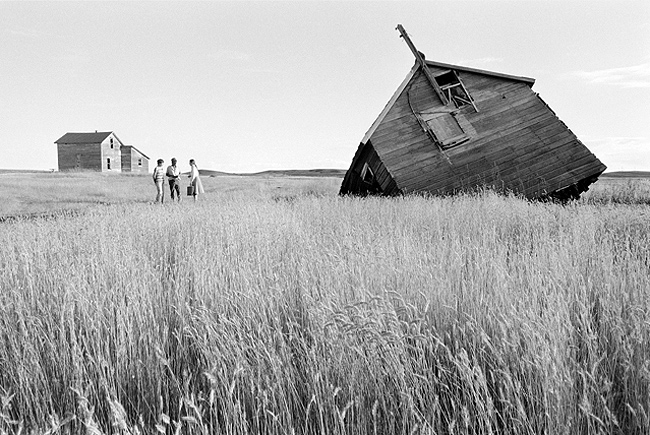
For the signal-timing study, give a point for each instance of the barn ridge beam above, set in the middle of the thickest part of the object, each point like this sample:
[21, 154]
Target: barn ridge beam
[420, 60]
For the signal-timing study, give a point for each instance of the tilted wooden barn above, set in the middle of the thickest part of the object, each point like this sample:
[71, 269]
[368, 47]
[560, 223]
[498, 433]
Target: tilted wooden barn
[134, 160]
[450, 128]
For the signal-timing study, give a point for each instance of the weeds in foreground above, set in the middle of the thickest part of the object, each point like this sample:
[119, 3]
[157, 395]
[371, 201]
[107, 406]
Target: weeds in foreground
[465, 315]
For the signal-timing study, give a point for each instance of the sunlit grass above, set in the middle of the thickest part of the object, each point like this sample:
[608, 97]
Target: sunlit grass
[266, 310]
[620, 191]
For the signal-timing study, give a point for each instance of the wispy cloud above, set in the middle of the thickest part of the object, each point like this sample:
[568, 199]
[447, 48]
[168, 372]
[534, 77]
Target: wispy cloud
[621, 153]
[636, 76]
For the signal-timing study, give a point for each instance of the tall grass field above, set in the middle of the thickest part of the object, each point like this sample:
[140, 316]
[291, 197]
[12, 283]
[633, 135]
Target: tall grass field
[274, 306]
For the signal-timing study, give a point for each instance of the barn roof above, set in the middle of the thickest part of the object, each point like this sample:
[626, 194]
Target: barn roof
[529, 81]
[143, 154]
[95, 137]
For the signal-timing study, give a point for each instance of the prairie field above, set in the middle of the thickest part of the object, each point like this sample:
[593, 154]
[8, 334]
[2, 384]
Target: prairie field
[274, 306]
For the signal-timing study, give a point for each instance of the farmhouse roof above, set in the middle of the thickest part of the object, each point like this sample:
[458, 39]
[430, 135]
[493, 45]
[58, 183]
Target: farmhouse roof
[143, 154]
[95, 137]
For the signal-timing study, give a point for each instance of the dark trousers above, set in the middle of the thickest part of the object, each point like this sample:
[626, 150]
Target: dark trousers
[174, 186]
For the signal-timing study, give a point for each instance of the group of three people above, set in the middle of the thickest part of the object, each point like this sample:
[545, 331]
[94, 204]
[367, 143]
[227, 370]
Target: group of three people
[173, 174]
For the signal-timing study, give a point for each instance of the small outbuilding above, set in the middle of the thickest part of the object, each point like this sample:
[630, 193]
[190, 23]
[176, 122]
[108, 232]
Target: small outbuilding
[134, 160]
[449, 128]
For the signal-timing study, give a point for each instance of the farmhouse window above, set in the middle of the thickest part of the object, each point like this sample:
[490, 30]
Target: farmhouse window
[454, 89]
[111, 143]
[139, 162]
[366, 174]
[108, 163]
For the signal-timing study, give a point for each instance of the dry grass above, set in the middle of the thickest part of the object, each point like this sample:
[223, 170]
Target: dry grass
[290, 310]
[623, 190]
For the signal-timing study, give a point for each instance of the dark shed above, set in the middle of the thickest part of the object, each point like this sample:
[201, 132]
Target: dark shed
[450, 128]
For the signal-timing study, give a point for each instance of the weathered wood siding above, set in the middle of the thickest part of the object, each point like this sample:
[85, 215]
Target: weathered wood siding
[134, 161]
[111, 150]
[79, 156]
[517, 143]
[352, 183]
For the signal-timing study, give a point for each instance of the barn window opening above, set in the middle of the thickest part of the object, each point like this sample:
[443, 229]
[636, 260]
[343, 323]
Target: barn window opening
[454, 89]
[108, 163]
[139, 162]
[366, 174]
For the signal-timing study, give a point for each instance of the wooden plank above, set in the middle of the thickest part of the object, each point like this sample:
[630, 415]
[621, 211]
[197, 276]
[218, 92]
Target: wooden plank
[402, 131]
[512, 137]
[428, 172]
[389, 105]
[507, 129]
[399, 159]
[90, 156]
[530, 81]
[586, 167]
[527, 158]
[548, 169]
[483, 171]
[422, 63]
[515, 176]
[489, 94]
[505, 110]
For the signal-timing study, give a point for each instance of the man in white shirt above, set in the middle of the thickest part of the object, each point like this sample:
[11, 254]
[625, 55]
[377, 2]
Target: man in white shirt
[173, 174]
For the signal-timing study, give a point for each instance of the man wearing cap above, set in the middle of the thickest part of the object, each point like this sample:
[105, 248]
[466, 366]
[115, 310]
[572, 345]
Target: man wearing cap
[174, 184]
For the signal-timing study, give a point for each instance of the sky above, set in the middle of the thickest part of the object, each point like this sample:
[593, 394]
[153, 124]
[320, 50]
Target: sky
[250, 86]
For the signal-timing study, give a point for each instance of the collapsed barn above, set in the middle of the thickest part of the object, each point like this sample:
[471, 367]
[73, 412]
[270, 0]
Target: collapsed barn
[450, 128]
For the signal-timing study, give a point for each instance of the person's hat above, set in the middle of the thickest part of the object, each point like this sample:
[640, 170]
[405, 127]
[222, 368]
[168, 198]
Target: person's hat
[160, 160]
[173, 159]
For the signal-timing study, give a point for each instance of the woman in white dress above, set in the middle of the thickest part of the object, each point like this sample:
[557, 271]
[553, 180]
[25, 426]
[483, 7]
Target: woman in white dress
[195, 179]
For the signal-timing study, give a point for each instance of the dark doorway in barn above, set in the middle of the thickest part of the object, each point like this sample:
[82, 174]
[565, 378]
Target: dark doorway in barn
[368, 178]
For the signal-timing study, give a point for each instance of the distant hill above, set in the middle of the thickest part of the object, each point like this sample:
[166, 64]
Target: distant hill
[24, 171]
[281, 173]
[626, 174]
[339, 173]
